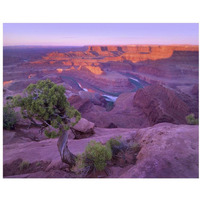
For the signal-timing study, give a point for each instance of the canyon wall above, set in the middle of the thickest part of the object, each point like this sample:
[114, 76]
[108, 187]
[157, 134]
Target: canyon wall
[101, 54]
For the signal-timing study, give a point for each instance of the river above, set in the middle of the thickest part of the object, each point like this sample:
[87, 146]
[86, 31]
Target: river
[109, 96]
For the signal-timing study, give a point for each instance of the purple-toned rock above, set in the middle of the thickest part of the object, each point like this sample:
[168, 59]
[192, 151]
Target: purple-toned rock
[167, 151]
[161, 104]
[195, 89]
[83, 129]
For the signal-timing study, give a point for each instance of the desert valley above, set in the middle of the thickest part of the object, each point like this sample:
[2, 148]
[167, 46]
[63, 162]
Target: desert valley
[141, 94]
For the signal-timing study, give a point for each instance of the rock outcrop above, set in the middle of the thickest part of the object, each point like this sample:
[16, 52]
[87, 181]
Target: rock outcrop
[102, 54]
[123, 115]
[161, 104]
[47, 150]
[83, 129]
[167, 151]
[195, 89]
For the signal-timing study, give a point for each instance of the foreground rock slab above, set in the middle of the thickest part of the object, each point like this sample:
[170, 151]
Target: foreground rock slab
[168, 151]
[47, 150]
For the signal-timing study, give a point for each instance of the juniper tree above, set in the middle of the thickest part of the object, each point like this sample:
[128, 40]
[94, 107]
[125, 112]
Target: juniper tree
[46, 106]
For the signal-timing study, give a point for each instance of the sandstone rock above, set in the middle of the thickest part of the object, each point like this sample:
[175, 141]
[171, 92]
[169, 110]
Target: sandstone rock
[43, 174]
[77, 101]
[47, 151]
[103, 54]
[57, 164]
[191, 101]
[112, 125]
[167, 151]
[71, 135]
[94, 98]
[161, 104]
[8, 136]
[195, 89]
[123, 115]
[32, 133]
[83, 128]
[54, 78]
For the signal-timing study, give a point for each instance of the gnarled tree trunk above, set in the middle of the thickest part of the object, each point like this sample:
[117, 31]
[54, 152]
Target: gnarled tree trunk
[66, 156]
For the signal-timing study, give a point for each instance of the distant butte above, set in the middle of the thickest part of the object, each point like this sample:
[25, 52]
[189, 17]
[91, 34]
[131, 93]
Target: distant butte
[101, 54]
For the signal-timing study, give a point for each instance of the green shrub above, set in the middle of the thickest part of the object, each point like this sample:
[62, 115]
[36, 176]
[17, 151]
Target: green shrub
[191, 119]
[80, 164]
[9, 97]
[95, 157]
[51, 134]
[9, 118]
[38, 163]
[135, 147]
[114, 141]
[116, 145]
[24, 165]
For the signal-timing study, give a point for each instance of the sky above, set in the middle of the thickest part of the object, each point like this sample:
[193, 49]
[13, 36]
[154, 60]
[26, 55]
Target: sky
[80, 34]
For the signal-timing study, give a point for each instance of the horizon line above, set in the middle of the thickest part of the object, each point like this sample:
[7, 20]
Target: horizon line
[178, 44]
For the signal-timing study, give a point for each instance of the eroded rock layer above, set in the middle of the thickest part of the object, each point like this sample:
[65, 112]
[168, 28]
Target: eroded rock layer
[101, 82]
[161, 105]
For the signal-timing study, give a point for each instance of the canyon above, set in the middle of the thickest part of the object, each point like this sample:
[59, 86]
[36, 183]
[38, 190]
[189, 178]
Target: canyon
[98, 77]
[140, 92]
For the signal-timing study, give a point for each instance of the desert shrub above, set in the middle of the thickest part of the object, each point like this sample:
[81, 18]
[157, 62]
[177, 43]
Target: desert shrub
[109, 105]
[9, 97]
[24, 165]
[51, 134]
[135, 147]
[123, 152]
[95, 157]
[9, 118]
[80, 166]
[191, 119]
[114, 141]
[116, 145]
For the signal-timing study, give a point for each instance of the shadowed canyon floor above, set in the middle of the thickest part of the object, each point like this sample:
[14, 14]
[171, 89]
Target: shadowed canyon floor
[140, 92]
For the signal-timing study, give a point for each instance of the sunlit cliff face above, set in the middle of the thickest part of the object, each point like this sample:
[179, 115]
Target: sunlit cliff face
[95, 70]
[5, 83]
[52, 62]
[71, 68]
[95, 55]
[59, 70]
[31, 75]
